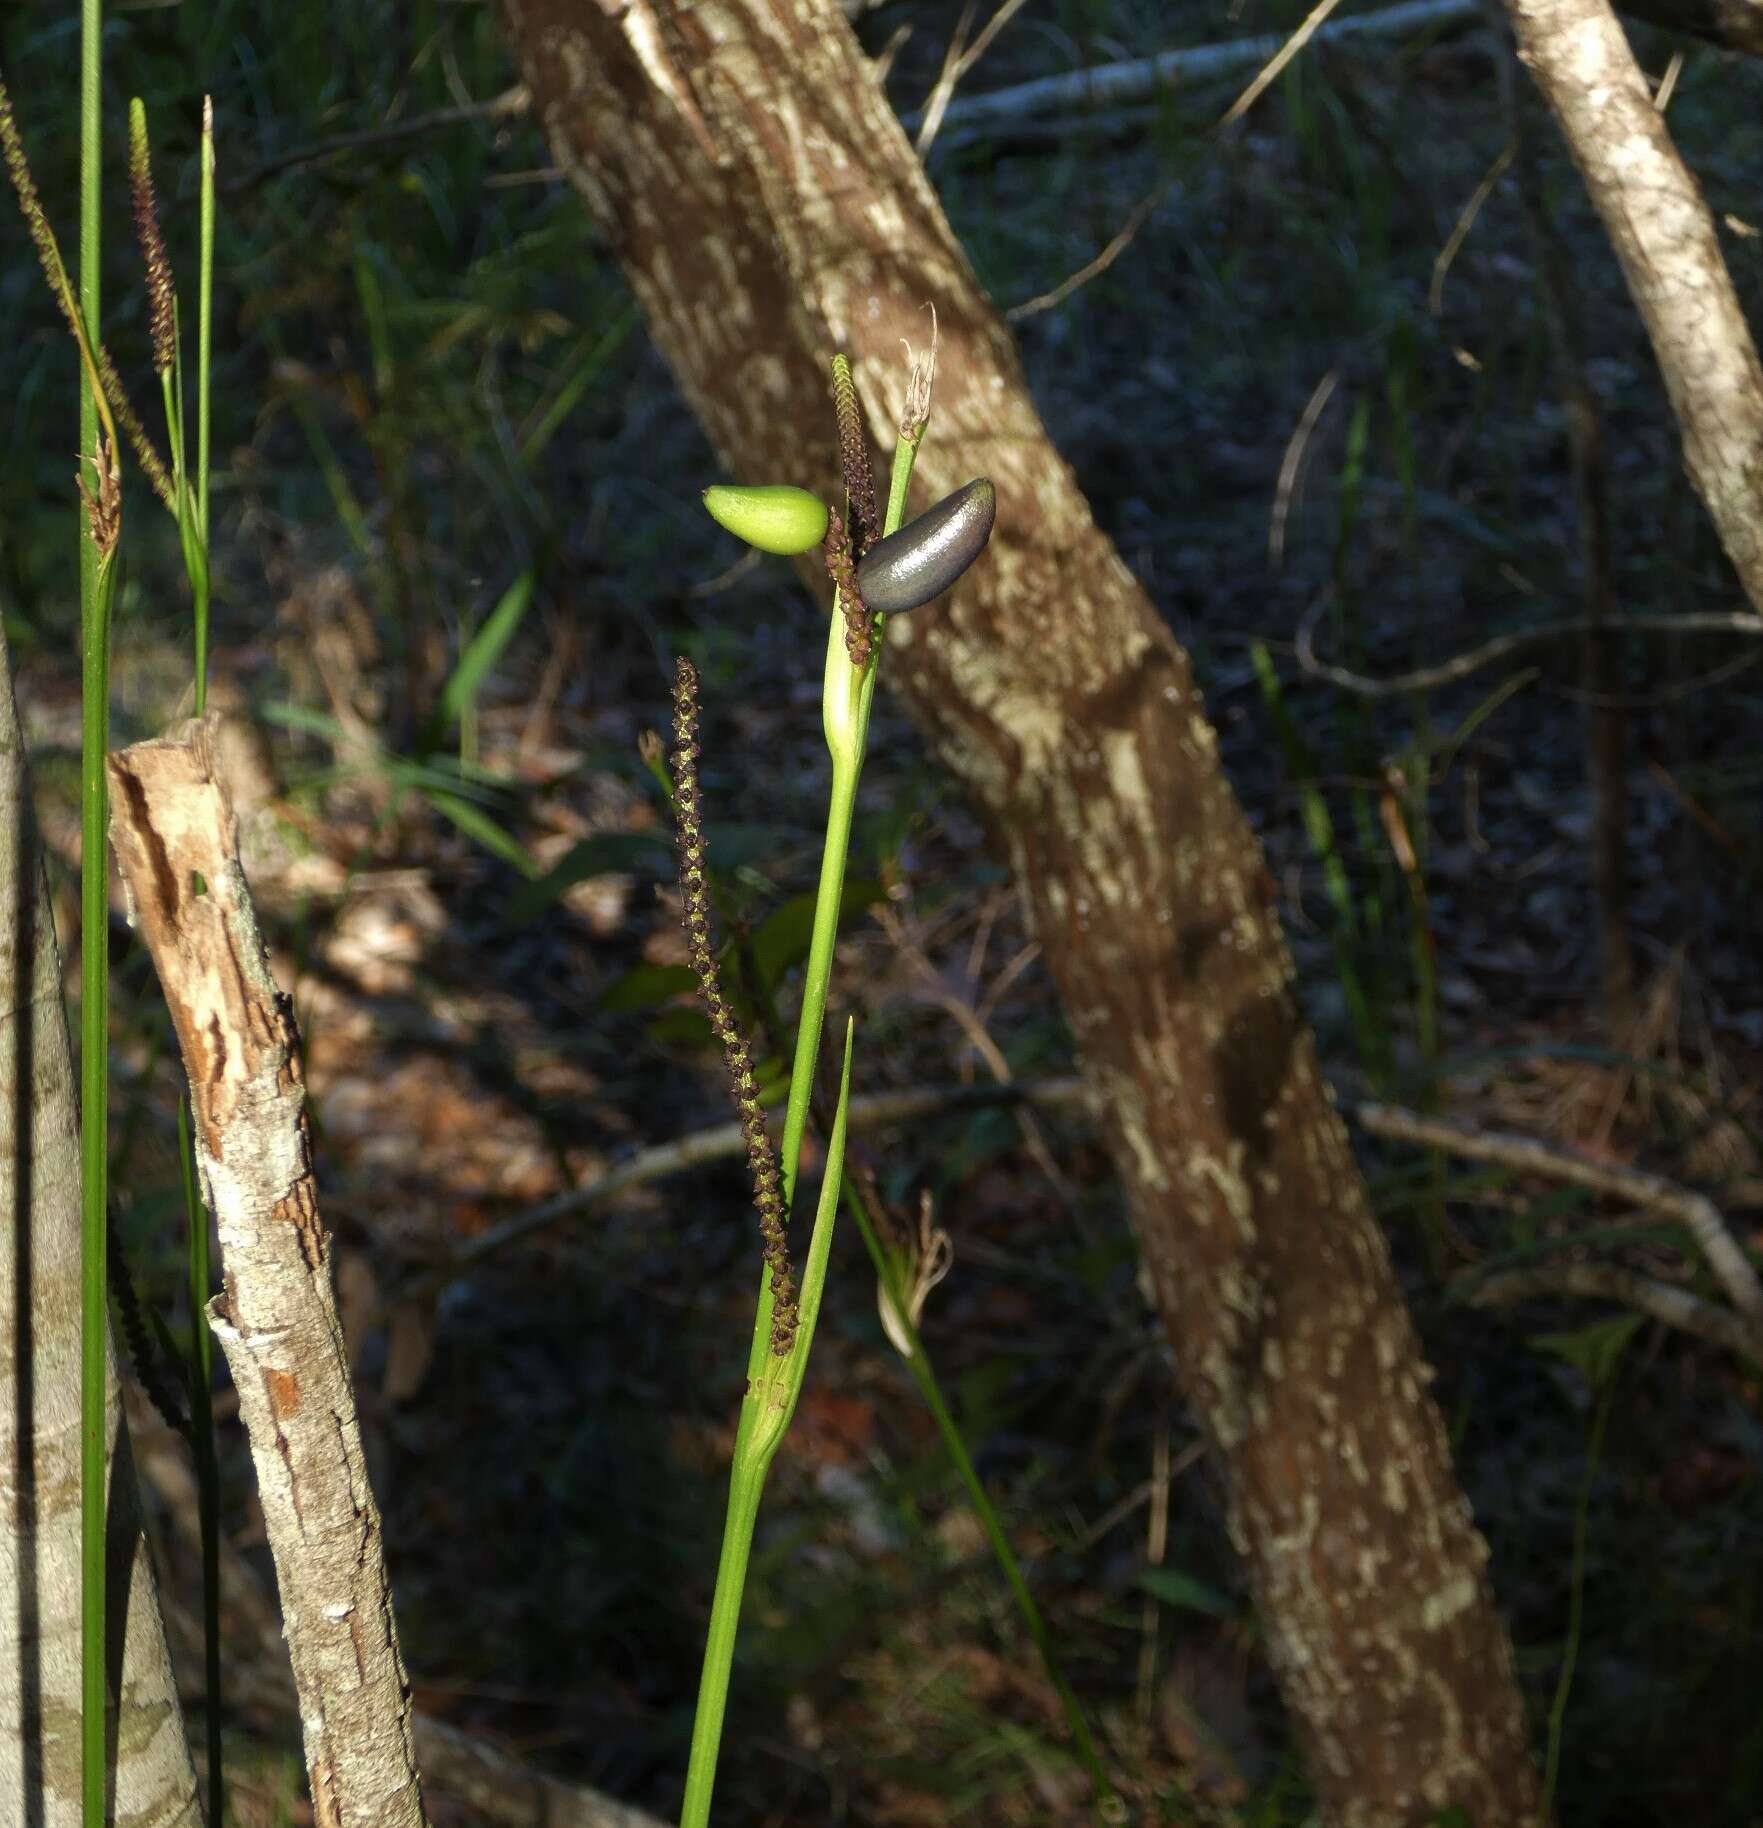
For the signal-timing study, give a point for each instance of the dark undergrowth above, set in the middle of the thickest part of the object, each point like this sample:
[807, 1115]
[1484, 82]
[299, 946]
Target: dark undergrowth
[430, 383]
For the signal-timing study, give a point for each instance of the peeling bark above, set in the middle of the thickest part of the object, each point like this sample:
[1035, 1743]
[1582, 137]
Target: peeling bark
[1664, 236]
[767, 210]
[276, 1318]
[153, 1784]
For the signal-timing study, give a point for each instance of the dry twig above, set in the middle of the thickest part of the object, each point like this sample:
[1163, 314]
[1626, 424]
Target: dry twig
[1675, 1307]
[1116, 85]
[1694, 1211]
[723, 1142]
[1502, 647]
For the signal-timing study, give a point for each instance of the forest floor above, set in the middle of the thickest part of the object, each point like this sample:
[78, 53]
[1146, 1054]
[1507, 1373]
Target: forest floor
[432, 382]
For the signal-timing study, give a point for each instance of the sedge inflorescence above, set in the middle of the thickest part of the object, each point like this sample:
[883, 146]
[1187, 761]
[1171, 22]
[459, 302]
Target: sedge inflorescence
[845, 545]
[761, 1156]
[161, 298]
[841, 567]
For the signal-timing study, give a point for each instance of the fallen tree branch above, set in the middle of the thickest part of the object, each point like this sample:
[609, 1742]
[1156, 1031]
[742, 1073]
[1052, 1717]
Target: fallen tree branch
[1665, 239]
[177, 843]
[1115, 85]
[1676, 1307]
[1694, 1211]
[1733, 25]
[724, 1141]
[1502, 647]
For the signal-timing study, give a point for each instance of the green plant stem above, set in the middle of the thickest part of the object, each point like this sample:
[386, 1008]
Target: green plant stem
[888, 1273]
[204, 312]
[719, 1643]
[1576, 1600]
[846, 704]
[201, 1382]
[817, 974]
[97, 581]
[199, 576]
[773, 1390]
[94, 1169]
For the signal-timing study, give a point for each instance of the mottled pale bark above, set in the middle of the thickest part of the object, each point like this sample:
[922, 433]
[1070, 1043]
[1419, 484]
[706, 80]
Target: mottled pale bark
[276, 1318]
[1664, 236]
[768, 210]
[154, 1786]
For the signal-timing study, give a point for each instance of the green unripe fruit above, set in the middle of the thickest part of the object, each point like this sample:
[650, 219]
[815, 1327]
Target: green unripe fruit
[774, 517]
[927, 555]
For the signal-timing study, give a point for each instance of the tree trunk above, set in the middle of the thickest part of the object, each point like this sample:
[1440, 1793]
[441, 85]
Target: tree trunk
[767, 210]
[154, 1786]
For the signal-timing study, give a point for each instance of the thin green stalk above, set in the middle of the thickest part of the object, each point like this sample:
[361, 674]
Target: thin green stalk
[94, 1167]
[847, 696]
[719, 1644]
[888, 1273]
[766, 1409]
[97, 584]
[194, 507]
[201, 1381]
[204, 343]
[817, 974]
[1576, 1600]
[193, 503]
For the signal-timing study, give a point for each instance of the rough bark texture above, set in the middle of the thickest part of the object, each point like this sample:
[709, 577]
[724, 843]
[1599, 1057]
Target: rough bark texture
[768, 210]
[154, 1786]
[276, 1318]
[1665, 238]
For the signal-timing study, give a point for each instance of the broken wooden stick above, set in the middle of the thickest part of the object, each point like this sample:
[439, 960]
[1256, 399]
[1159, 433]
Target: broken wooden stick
[1661, 1301]
[177, 842]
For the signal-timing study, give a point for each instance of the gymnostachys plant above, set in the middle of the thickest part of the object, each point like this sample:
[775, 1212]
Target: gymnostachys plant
[782, 519]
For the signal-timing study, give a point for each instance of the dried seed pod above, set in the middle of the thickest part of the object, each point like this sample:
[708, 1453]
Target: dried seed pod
[927, 555]
[774, 517]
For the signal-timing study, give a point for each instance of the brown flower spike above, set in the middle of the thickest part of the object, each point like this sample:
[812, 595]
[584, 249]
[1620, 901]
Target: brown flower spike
[842, 569]
[161, 298]
[854, 460]
[761, 1157]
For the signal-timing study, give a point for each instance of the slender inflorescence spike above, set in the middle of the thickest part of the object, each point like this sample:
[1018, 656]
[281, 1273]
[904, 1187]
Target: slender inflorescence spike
[854, 459]
[140, 441]
[842, 569]
[761, 1157]
[19, 171]
[49, 253]
[161, 297]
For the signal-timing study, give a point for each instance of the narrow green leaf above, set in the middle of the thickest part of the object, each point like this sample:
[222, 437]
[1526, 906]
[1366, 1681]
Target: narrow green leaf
[1175, 1588]
[1593, 1350]
[607, 853]
[479, 826]
[783, 937]
[481, 653]
[647, 986]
